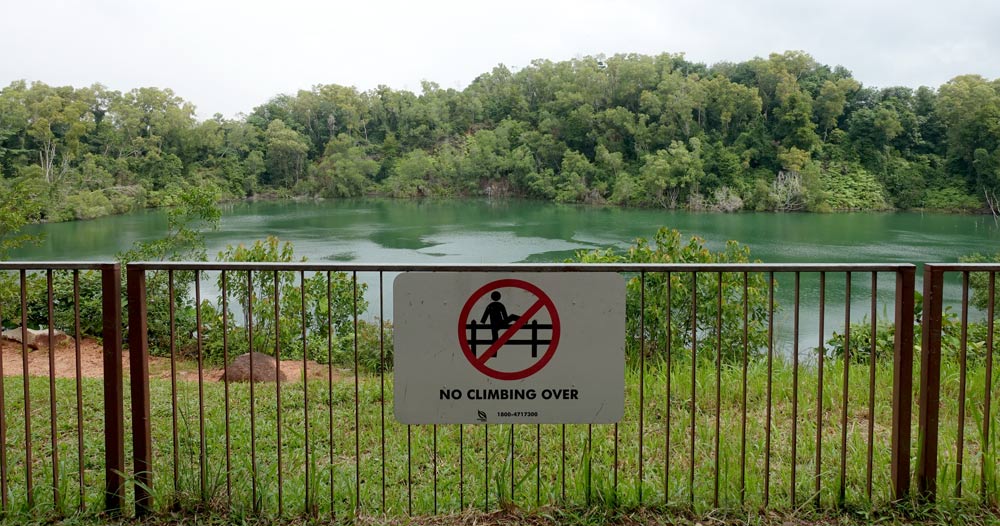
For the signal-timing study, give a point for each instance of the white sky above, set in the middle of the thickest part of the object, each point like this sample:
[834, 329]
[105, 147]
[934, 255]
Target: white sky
[229, 56]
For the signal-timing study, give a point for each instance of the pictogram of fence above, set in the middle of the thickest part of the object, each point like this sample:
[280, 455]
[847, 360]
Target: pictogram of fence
[533, 327]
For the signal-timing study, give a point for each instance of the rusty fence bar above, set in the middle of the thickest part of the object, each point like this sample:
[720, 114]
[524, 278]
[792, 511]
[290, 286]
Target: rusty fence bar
[902, 383]
[114, 409]
[138, 345]
[964, 341]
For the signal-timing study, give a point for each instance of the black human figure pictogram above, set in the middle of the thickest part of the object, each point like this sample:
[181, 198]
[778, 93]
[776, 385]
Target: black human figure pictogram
[497, 314]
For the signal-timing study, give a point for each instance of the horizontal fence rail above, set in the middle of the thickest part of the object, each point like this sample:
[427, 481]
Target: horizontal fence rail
[748, 385]
[959, 450]
[52, 458]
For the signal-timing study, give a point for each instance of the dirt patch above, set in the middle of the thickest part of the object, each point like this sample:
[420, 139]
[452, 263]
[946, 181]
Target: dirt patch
[92, 364]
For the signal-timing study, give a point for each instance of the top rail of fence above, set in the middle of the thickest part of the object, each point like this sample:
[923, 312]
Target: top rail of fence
[960, 267]
[527, 267]
[54, 265]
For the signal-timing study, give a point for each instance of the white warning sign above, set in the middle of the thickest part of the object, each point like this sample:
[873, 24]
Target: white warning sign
[509, 348]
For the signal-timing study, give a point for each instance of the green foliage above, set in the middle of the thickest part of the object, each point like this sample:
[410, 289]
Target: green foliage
[852, 188]
[281, 305]
[667, 246]
[20, 204]
[861, 337]
[635, 130]
[859, 344]
[979, 282]
[951, 199]
[194, 212]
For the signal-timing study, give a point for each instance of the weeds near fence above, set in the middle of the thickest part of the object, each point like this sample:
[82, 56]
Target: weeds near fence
[452, 459]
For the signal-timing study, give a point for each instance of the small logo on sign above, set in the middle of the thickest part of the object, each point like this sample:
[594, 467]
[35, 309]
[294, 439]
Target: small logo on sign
[480, 416]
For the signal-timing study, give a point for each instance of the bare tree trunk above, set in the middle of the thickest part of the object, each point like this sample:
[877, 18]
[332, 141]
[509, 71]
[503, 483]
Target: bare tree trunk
[994, 204]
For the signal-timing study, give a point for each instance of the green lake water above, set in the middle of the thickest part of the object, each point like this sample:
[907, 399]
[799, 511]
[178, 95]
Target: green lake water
[483, 231]
[478, 231]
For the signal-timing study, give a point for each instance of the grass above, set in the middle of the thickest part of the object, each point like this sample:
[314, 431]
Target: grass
[548, 471]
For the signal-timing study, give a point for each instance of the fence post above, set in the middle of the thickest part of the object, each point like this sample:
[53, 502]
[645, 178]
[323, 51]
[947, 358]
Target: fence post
[114, 408]
[902, 383]
[138, 347]
[930, 383]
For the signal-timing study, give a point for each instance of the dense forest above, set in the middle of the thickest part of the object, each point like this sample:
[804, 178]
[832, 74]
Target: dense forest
[783, 133]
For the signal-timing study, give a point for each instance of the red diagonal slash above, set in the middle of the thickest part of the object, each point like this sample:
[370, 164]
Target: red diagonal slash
[492, 351]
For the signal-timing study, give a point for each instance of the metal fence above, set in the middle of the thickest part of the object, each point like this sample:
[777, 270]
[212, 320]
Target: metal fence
[748, 386]
[948, 343]
[35, 464]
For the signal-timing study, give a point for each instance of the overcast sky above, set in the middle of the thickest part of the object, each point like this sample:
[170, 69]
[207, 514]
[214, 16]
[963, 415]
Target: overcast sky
[228, 56]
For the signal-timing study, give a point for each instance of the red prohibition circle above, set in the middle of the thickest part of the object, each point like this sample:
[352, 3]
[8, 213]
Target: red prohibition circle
[547, 304]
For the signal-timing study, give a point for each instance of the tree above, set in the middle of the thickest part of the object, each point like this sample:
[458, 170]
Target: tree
[20, 204]
[669, 174]
[794, 127]
[345, 170]
[970, 108]
[286, 154]
[831, 102]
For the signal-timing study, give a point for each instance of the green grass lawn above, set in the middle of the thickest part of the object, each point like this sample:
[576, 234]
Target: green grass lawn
[569, 468]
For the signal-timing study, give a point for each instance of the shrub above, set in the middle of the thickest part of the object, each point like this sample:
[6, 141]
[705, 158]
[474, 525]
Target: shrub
[255, 296]
[951, 199]
[668, 247]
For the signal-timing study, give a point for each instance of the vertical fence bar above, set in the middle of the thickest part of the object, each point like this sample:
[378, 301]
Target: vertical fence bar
[329, 389]
[461, 466]
[614, 484]
[173, 385]
[28, 462]
[305, 388]
[962, 362]
[202, 447]
[253, 413]
[357, 407]
[988, 387]
[718, 387]
[562, 468]
[53, 418]
[114, 407]
[225, 387]
[512, 499]
[694, 379]
[743, 406]
[902, 376]
[486, 467]
[409, 471]
[820, 352]
[435, 465]
[590, 461]
[79, 383]
[795, 387]
[642, 369]
[277, 386]
[770, 385]
[138, 352]
[381, 375]
[930, 385]
[538, 464]
[842, 490]
[4, 490]
[871, 385]
[666, 439]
